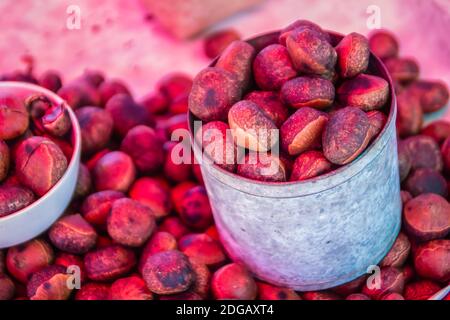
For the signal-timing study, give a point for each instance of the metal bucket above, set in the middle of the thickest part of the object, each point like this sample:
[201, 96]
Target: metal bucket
[318, 233]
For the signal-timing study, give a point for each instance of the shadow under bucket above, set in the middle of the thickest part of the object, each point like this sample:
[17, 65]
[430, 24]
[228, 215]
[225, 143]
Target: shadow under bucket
[318, 233]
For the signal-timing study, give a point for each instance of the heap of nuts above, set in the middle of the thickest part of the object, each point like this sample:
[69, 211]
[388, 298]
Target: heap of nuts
[35, 149]
[305, 92]
[140, 225]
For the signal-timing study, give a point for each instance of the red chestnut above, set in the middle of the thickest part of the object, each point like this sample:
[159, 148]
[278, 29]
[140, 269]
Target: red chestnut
[237, 58]
[160, 241]
[202, 278]
[426, 180]
[174, 226]
[174, 85]
[2, 262]
[321, 295]
[263, 167]
[353, 286]
[357, 296]
[446, 154]
[131, 288]
[270, 292]
[93, 77]
[109, 263]
[96, 128]
[393, 296]
[25, 259]
[168, 272]
[310, 52]
[84, 182]
[80, 93]
[353, 55]
[271, 104]
[68, 260]
[97, 206]
[364, 91]
[152, 193]
[4, 160]
[50, 80]
[432, 260]
[177, 165]
[202, 248]
[7, 288]
[114, 171]
[425, 153]
[391, 280]
[13, 117]
[383, 44]
[233, 282]
[217, 41]
[306, 91]
[251, 128]
[195, 209]
[377, 121]
[439, 130]
[432, 95]
[217, 143]
[213, 93]
[73, 234]
[127, 114]
[130, 223]
[301, 24]
[155, 103]
[421, 290]
[409, 115]
[13, 199]
[109, 88]
[309, 165]
[93, 291]
[180, 105]
[40, 164]
[398, 254]
[346, 135]
[272, 67]
[144, 147]
[302, 131]
[49, 283]
[427, 217]
[402, 70]
[186, 296]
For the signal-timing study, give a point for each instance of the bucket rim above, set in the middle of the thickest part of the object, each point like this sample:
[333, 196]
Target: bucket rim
[322, 182]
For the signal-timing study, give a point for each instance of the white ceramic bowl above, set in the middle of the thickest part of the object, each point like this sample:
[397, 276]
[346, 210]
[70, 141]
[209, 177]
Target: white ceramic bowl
[31, 221]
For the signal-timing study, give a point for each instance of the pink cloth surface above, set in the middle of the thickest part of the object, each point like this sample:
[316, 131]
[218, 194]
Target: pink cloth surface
[119, 38]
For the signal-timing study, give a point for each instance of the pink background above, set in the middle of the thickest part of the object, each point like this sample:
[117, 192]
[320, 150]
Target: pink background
[116, 36]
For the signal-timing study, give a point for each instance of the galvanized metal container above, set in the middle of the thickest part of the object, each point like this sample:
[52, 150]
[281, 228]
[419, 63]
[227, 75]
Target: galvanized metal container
[318, 233]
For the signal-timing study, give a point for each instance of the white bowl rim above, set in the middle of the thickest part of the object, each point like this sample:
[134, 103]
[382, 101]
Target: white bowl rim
[76, 151]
